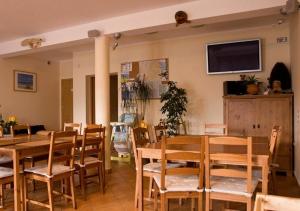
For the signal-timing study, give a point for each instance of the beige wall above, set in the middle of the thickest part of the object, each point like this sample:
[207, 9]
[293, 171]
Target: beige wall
[187, 66]
[41, 107]
[295, 67]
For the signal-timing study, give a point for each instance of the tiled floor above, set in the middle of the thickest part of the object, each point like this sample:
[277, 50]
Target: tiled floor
[120, 188]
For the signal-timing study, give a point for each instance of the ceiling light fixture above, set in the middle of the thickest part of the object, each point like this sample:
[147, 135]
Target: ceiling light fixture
[117, 36]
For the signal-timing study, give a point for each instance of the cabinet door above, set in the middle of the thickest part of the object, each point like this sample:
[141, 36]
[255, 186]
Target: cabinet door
[275, 111]
[240, 116]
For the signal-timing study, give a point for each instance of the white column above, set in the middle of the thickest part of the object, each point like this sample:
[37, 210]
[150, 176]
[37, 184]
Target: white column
[102, 98]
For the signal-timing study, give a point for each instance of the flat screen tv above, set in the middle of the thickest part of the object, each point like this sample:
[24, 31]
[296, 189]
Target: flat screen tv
[234, 57]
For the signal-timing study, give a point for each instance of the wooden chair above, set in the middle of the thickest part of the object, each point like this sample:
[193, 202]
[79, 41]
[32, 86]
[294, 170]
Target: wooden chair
[93, 143]
[93, 126]
[73, 127]
[60, 167]
[181, 182]
[273, 151]
[140, 137]
[20, 130]
[229, 183]
[269, 202]
[216, 129]
[6, 177]
[159, 132]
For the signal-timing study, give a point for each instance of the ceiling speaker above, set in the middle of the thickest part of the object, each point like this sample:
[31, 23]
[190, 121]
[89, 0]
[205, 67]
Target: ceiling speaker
[94, 33]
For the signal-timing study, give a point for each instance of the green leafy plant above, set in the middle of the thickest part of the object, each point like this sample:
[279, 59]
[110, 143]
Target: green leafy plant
[251, 79]
[175, 102]
[6, 125]
[142, 93]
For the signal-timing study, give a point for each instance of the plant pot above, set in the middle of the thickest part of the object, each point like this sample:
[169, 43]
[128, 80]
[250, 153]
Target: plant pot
[252, 89]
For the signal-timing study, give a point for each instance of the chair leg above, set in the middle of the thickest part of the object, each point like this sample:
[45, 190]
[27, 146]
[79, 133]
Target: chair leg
[150, 187]
[50, 194]
[82, 182]
[73, 191]
[1, 196]
[136, 192]
[200, 205]
[273, 174]
[207, 201]
[155, 196]
[162, 202]
[193, 203]
[249, 204]
[101, 180]
[25, 193]
[32, 164]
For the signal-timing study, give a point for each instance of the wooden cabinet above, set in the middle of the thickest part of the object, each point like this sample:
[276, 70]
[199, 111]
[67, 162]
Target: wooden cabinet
[255, 115]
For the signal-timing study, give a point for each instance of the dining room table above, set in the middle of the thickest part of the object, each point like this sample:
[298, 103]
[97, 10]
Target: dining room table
[21, 147]
[260, 160]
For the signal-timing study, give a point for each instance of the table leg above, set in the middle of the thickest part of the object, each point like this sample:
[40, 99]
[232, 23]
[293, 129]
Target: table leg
[265, 178]
[17, 191]
[140, 182]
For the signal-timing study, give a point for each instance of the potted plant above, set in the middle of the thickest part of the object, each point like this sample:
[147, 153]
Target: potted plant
[252, 84]
[142, 93]
[175, 102]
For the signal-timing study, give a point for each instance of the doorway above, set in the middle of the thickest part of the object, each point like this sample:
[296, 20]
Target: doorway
[66, 100]
[90, 98]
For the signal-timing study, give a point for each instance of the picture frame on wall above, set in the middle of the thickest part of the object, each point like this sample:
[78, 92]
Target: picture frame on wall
[25, 81]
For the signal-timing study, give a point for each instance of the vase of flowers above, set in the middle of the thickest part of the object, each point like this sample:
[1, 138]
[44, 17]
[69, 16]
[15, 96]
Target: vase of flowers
[11, 121]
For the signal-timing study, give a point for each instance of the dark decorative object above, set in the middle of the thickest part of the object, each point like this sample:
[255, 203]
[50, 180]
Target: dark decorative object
[175, 102]
[282, 74]
[181, 17]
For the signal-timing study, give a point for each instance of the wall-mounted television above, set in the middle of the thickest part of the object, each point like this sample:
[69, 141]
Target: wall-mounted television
[234, 57]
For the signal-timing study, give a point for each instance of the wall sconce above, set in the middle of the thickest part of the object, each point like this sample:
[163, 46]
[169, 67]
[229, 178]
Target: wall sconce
[32, 42]
[117, 36]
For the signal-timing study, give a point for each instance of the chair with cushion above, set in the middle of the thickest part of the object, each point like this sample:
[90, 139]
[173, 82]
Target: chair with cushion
[6, 177]
[159, 132]
[229, 183]
[60, 167]
[73, 127]
[181, 182]
[269, 202]
[140, 137]
[215, 129]
[20, 130]
[93, 143]
[273, 151]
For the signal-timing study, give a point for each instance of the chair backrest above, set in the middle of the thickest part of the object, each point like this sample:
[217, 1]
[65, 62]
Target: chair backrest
[269, 202]
[73, 127]
[274, 142]
[196, 143]
[159, 132]
[20, 129]
[215, 129]
[140, 137]
[214, 158]
[93, 126]
[93, 143]
[64, 143]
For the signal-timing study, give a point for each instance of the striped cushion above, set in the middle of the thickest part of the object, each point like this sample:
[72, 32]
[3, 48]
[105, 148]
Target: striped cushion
[180, 183]
[156, 167]
[6, 172]
[43, 170]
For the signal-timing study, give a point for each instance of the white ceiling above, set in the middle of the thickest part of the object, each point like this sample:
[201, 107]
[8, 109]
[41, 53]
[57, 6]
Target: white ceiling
[66, 51]
[22, 18]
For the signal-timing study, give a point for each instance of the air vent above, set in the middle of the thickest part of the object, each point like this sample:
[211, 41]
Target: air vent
[198, 26]
[151, 33]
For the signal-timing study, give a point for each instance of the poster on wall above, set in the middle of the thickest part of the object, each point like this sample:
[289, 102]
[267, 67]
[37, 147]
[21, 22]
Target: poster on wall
[155, 72]
[25, 81]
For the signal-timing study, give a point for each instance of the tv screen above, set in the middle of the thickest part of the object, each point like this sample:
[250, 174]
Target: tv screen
[233, 57]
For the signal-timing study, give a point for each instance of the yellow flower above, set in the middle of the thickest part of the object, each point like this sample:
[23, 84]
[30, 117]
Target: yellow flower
[11, 118]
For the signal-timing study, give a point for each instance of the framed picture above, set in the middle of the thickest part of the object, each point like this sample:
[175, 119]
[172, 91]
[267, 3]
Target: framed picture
[24, 81]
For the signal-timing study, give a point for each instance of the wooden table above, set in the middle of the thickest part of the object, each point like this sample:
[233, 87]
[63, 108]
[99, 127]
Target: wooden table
[19, 148]
[260, 159]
